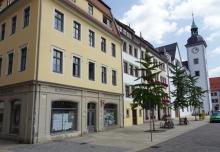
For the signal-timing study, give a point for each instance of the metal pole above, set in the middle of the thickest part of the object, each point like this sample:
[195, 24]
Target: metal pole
[151, 133]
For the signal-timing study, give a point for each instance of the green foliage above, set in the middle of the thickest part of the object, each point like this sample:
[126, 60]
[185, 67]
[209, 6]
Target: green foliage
[195, 93]
[180, 82]
[149, 93]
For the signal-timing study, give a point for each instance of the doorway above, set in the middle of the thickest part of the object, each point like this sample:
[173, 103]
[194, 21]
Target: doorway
[91, 117]
[134, 116]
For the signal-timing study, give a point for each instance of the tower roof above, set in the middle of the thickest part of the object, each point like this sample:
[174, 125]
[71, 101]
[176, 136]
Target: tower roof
[195, 38]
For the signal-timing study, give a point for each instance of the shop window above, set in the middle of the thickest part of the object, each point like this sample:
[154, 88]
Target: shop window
[1, 114]
[15, 117]
[127, 113]
[63, 116]
[110, 115]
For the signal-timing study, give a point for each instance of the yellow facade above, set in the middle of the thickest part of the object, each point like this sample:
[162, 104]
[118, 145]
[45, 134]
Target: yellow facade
[50, 38]
[13, 43]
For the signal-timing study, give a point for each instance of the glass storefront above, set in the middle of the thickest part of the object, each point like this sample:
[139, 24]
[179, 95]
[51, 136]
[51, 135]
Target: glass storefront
[15, 117]
[64, 116]
[1, 114]
[110, 115]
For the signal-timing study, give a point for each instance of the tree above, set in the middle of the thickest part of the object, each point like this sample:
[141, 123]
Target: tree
[149, 93]
[195, 94]
[180, 82]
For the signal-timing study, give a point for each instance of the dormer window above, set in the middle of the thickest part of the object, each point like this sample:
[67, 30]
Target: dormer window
[90, 9]
[107, 21]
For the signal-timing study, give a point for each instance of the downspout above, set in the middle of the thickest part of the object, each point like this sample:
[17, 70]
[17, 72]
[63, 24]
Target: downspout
[37, 70]
[122, 73]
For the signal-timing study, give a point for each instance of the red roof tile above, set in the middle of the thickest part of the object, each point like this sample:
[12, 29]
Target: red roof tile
[215, 84]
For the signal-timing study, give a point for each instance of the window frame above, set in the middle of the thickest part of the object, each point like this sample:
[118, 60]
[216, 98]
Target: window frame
[91, 38]
[114, 78]
[77, 30]
[26, 21]
[90, 9]
[197, 73]
[3, 31]
[196, 61]
[78, 73]
[13, 24]
[104, 74]
[103, 44]
[23, 67]
[113, 50]
[1, 65]
[61, 20]
[94, 70]
[62, 60]
[10, 65]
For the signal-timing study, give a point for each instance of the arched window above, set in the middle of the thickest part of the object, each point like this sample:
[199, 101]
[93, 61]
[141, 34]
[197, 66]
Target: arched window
[1, 114]
[110, 115]
[63, 116]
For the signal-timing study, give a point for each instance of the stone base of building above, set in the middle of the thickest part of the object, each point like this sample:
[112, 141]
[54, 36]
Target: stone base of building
[37, 112]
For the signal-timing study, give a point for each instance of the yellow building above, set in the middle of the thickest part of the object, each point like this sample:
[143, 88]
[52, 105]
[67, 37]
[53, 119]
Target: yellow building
[60, 69]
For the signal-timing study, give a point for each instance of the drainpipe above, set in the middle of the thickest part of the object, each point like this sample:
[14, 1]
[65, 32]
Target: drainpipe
[37, 70]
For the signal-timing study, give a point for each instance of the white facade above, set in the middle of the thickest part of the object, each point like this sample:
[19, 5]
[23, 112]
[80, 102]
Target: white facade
[199, 68]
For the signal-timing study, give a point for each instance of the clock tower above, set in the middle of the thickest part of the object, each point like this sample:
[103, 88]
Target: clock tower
[197, 63]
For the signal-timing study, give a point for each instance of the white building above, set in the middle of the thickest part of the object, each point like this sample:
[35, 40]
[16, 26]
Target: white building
[172, 52]
[197, 63]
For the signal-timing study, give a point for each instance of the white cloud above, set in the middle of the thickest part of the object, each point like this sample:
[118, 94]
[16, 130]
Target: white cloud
[215, 52]
[182, 30]
[151, 18]
[159, 17]
[213, 36]
[214, 72]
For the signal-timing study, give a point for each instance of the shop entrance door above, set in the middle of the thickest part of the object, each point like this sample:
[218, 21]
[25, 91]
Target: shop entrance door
[134, 114]
[91, 117]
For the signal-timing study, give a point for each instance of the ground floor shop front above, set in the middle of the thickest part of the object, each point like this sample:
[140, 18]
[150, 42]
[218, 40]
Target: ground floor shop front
[38, 112]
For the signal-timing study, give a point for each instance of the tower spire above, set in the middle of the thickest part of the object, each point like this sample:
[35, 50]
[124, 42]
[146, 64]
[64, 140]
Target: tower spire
[194, 28]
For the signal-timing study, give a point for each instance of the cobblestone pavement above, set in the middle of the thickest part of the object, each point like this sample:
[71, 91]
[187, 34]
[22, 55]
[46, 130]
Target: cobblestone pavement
[203, 139]
[129, 139]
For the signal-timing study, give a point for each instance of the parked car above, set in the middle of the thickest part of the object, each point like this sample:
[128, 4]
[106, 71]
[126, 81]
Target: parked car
[215, 117]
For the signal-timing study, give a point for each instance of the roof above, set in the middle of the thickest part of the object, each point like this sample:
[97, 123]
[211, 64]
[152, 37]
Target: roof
[185, 64]
[103, 7]
[196, 39]
[170, 48]
[215, 84]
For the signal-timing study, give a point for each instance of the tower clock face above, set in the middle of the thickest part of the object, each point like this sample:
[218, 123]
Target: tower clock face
[195, 50]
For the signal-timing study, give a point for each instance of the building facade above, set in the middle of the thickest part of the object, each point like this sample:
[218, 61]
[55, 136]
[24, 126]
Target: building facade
[61, 71]
[215, 93]
[131, 56]
[197, 63]
[173, 55]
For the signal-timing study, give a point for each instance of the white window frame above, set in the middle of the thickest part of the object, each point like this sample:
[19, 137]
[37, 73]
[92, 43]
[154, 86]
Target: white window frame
[63, 61]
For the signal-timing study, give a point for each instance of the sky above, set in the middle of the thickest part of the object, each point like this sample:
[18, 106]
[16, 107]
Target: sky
[162, 22]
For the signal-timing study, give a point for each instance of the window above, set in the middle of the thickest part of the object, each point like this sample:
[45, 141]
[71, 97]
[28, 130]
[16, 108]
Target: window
[59, 21]
[196, 61]
[92, 71]
[197, 73]
[10, 63]
[57, 61]
[104, 74]
[136, 72]
[90, 9]
[125, 67]
[107, 21]
[26, 16]
[113, 50]
[211, 94]
[127, 113]
[110, 115]
[0, 66]
[15, 117]
[76, 66]
[23, 59]
[76, 30]
[9, 2]
[114, 78]
[127, 91]
[1, 115]
[215, 93]
[131, 70]
[142, 55]
[136, 53]
[3, 31]
[91, 38]
[130, 50]
[13, 24]
[103, 44]
[125, 47]
[63, 116]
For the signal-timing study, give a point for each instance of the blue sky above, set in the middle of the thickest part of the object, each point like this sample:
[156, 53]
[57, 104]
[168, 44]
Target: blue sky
[166, 21]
